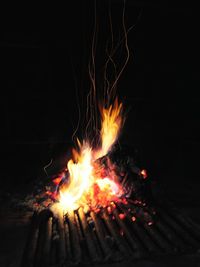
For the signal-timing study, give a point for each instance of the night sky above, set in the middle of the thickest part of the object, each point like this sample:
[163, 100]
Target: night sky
[44, 56]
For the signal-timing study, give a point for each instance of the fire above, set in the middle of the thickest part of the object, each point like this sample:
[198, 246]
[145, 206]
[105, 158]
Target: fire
[80, 179]
[108, 185]
[86, 186]
[111, 125]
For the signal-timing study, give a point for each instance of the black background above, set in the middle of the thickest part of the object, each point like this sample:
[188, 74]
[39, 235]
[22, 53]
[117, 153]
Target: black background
[44, 57]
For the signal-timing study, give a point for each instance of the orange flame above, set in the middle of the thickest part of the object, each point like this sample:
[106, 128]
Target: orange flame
[83, 179]
[110, 127]
[80, 179]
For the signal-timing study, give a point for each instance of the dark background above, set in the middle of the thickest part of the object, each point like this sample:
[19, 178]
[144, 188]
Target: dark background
[44, 58]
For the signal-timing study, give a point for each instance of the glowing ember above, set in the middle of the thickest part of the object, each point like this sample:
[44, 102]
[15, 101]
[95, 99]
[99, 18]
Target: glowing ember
[144, 174]
[89, 184]
[133, 219]
[57, 180]
[122, 216]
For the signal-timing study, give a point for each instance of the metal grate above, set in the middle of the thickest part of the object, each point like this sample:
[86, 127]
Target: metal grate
[105, 237]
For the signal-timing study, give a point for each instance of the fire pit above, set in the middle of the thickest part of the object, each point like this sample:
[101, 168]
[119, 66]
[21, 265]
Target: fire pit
[135, 225]
[101, 209]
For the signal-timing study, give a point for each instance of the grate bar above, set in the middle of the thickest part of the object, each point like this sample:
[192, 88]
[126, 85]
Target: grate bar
[132, 241]
[88, 236]
[100, 231]
[167, 232]
[62, 244]
[180, 231]
[114, 234]
[31, 247]
[67, 242]
[142, 235]
[76, 249]
[47, 242]
[188, 225]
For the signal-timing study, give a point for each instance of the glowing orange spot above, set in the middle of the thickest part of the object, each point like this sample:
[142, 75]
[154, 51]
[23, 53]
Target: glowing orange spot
[113, 205]
[144, 173]
[109, 210]
[97, 210]
[57, 180]
[133, 219]
[125, 201]
[122, 216]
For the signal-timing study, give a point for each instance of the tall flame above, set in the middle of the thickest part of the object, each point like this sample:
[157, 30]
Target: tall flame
[110, 127]
[82, 177]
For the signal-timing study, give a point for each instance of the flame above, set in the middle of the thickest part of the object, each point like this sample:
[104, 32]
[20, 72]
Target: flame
[85, 186]
[110, 127]
[109, 185]
[80, 179]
